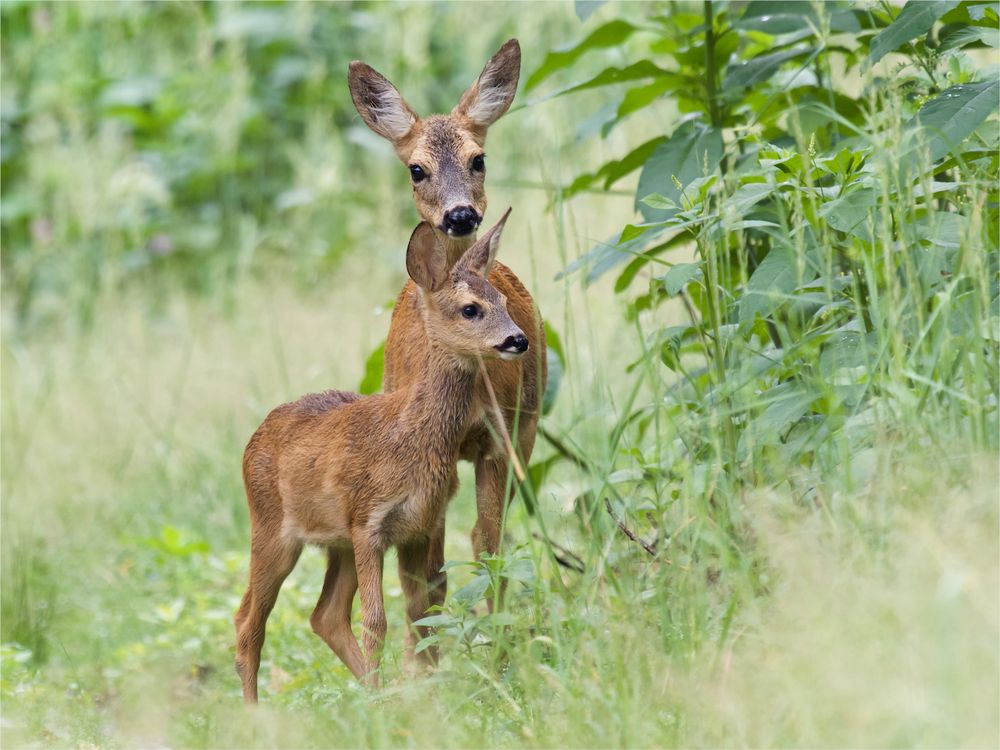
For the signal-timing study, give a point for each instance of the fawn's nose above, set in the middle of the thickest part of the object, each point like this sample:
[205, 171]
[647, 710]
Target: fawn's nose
[514, 345]
[461, 220]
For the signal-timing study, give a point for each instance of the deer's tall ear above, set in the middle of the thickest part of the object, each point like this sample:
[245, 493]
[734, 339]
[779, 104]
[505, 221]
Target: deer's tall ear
[379, 103]
[426, 259]
[481, 255]
[490, 96]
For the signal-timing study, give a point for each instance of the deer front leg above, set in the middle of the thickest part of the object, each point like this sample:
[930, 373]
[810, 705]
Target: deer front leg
[368, 559]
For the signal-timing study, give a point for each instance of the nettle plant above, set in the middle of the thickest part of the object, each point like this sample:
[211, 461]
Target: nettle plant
[834, 167]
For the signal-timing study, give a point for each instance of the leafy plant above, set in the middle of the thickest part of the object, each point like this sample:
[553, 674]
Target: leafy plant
[844, 227]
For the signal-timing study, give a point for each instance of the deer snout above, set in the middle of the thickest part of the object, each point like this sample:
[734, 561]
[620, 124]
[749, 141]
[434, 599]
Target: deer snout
[513, 346]
[460, 221]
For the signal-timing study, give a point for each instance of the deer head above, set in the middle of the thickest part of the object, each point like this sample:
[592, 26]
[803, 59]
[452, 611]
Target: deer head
[463, 312]
[444, 153]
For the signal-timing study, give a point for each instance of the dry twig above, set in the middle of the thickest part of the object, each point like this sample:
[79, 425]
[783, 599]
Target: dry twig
[628, 532]
[566, 558]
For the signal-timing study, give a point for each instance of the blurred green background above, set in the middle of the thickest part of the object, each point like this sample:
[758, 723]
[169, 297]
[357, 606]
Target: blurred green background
[196, 226]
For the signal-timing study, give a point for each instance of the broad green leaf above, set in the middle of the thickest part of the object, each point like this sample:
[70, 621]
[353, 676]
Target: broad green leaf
[522, 570]
[963, 37]
[610, 34]
[984, 13]
[678, 277]
[750, 72]
[778, 17]
[950, 117]
[436, 621]
[555, 372]
[646, 257]
[744, 199]
[374, 366]
[693, 151]
[425, 643]
[845, 350]
[553, 341]
[655, 200]
[788, 403]
[771, 282]
[916, 19]
[556, 360]
[613, 171]
[848, 211]
[473, 591]
[606, 255]
[613, 76]
[638, 98]
[537, 472]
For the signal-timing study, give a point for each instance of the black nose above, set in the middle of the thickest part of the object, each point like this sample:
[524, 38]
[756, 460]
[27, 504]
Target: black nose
[512, 344]
[461, 221]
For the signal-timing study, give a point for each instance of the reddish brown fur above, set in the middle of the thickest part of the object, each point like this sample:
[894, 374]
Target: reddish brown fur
[437, 144]
[358, 475]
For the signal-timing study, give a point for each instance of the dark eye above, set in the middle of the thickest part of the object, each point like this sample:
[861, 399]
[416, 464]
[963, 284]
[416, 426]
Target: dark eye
[479, 163]
[417, 173]
[470, 311]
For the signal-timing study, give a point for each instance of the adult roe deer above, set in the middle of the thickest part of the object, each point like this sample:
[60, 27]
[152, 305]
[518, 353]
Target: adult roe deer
[447, 166]
[361, 474]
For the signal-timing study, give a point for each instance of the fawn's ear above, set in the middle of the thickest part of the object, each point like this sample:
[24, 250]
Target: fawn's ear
[490, 96]
[379, 103]
[481, 255]
[426, 259]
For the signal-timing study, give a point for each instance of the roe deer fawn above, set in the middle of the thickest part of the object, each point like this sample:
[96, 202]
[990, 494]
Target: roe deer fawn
[360, 474]
[447, 166]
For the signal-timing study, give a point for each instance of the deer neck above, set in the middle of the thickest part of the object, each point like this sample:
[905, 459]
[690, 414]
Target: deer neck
[455, 247]
[440, 401]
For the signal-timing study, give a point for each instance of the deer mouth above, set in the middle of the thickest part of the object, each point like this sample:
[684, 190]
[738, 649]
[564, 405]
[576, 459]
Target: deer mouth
[514, 347]
[460, 231]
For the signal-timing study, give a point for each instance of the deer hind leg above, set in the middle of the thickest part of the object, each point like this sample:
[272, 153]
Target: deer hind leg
[331, 620]
[413, 559]
[437, 581]
[271, 560]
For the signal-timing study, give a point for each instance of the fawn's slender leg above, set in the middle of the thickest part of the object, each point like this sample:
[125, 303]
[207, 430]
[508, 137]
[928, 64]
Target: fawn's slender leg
[437, 582]
[271, 560]
[368, 559]
[412, 576]
[331, 620]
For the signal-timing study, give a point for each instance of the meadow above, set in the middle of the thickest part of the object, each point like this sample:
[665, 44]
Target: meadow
[765, 239]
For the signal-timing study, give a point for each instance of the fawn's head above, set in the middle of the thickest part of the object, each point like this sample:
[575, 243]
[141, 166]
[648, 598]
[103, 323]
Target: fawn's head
[463, 312]
[443, 152]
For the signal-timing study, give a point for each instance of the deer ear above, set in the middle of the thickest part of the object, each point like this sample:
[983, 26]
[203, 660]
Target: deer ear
[479, 258]
[426, 260]
[490, 96]
[379, 103]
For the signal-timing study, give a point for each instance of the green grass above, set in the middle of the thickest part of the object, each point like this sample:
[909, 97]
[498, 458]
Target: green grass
[843, 594]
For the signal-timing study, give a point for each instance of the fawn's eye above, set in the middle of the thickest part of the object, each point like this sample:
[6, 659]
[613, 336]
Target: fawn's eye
[479, 163]
[470, 311]
[417, 173]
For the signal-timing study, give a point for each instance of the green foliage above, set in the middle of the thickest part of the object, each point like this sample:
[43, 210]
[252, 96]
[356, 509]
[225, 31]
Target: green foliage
[845, 274]
[155, 146]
